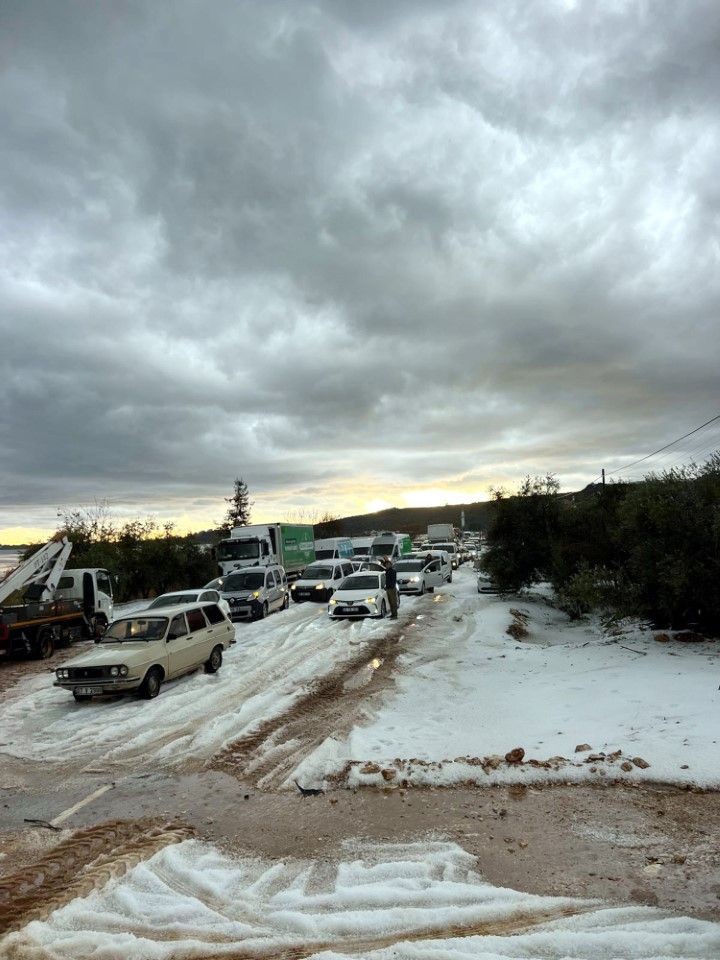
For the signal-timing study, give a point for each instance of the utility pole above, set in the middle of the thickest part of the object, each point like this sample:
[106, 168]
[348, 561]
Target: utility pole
[603, 476]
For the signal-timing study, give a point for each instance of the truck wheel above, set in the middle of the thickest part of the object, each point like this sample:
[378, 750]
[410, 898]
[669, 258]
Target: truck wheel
[82, 697]
[100, 625]
[44, 646]
[214, 661]
[150, 687]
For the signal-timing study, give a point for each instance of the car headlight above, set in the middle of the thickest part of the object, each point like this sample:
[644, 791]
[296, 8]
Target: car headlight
[319, 586]
[256, 594]
[414, 579]
[293, 586]
[370, 599]
[332, 602]
[114, 671]
[61, 674]
[123, 670]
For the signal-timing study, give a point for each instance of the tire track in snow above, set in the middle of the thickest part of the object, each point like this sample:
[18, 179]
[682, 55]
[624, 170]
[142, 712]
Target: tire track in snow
[268, 755]
[84, 862]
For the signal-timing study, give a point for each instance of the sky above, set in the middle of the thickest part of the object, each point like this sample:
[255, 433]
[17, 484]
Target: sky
[357, 253]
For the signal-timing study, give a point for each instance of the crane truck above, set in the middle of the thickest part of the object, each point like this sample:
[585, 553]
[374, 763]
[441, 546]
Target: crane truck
[57, 604]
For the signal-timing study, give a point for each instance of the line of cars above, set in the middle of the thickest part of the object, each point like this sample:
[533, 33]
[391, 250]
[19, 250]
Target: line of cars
[179, 632]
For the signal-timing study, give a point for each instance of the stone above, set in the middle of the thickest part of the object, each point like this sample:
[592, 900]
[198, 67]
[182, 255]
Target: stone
[388, 774]
[515, 755]
[492, 762]
[626, 766]
[370, 768]
[582, 747]
[639, 762]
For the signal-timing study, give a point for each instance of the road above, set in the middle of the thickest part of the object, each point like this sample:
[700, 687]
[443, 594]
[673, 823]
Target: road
[110, 784]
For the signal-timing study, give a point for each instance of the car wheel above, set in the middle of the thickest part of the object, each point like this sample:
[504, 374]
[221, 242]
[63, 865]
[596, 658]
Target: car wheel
[450, 579]
[100, 625]
[214, 661]
[44, 644]
[150, 687]
[263, 611]
[422, 588]
[383, 609]
[81, 697]
[286, 602]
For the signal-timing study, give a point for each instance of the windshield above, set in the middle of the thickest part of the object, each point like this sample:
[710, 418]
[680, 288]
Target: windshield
[135, 628]
[238, 549]
[382, 549]
[364, 582]
[447, 547]
[170, 599]
[410, 565]
[324, 554]
[250, 580]
[318, 573]
[362, 551]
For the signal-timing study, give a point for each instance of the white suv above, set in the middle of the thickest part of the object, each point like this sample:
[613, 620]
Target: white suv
[255, 592]
[321, 579]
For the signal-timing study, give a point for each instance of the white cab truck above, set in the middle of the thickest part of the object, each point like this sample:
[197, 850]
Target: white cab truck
[440, 532]
[333, 548]
[361, 545]
[388, 544]
[288, 545]
[57, 604]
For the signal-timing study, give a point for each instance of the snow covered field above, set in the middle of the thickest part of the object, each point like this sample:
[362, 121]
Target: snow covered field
[271, 665]
[469, 693]
[412, 900]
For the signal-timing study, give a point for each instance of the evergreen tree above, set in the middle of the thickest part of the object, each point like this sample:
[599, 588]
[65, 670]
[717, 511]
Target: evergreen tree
[240, 505]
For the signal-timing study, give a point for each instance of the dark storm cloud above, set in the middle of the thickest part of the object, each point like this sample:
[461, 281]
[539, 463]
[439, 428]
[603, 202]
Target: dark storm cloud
[410, 242]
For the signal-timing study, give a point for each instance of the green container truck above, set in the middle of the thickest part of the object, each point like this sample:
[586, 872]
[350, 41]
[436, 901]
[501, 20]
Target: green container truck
[260, 545]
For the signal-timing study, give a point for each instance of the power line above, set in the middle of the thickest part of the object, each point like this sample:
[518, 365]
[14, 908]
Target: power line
[672, 443]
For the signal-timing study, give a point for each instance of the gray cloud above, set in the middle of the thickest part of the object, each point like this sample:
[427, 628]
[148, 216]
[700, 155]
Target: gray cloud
[394, 245]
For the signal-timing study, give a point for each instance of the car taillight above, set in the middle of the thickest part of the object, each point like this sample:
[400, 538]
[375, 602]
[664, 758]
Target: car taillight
[4, 631]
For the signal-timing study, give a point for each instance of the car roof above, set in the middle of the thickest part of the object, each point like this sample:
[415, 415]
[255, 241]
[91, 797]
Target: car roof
[180, 593]
[170, 611]
[330, 560]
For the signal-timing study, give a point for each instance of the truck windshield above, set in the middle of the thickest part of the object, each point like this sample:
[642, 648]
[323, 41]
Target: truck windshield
[324, 554]
[135, 628]
[382, 549]
[251, 580]
[362, 551]
[238, 550]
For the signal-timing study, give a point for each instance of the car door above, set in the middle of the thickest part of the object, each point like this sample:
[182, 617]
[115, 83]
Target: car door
[220, 630]
[433, 575]
[271, 590]
[179, 643]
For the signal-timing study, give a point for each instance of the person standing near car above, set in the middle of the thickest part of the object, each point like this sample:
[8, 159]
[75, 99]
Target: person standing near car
[391, 587]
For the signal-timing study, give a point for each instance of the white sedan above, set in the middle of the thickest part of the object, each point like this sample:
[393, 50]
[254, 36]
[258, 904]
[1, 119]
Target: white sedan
[360, 595]
[193, 595]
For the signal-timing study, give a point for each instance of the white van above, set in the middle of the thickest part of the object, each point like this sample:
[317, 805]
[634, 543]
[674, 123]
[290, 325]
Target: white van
[439, 557]
[333, 548]
[452, 550]
[393, 545]
[320, 580]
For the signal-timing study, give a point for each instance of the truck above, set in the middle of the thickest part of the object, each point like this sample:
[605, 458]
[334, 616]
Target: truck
[333, 548]
[290, 545]
[437, 532]
[389, 544]
[54, 604]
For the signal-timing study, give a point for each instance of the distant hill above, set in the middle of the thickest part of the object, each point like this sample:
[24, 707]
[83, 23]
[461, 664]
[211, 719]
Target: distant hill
[412, 520]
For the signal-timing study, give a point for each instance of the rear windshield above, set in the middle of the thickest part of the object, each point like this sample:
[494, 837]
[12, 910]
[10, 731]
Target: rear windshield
[170, 599]
[364, 582]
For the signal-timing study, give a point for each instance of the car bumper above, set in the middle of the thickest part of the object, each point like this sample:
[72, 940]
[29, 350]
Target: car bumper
[245, 611]
[109, 685]
[352, 613]
[410, 587]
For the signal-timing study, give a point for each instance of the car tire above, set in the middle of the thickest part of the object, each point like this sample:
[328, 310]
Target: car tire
[383, 610]
[263, 612]
[44, 646]
[422, 588]
[286, 602]
[450, 579]
[431, 589]
[150, 687]
[214, 661]
[81, 697]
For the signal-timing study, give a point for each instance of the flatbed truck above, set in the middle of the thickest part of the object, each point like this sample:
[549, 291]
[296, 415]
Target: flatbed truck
[56, 605]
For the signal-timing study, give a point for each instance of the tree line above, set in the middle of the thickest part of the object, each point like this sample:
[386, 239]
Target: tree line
[649, 549]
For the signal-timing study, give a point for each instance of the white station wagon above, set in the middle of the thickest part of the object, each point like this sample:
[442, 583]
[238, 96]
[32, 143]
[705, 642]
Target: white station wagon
[141, 651]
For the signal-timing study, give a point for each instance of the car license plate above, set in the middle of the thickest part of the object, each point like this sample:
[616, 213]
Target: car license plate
[84, 691]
